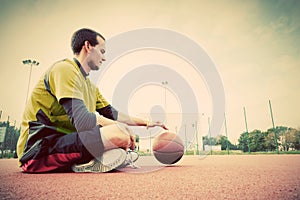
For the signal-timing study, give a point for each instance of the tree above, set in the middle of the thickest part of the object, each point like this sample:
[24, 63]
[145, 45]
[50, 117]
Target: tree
[292, 139]
[285, 138]
[271, 139]
[256, 141]
[243, 142]
[222, 140]
[297, 140]
[209, 141]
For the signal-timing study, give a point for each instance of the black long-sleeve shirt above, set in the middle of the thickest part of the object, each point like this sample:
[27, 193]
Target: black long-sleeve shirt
[81, 118]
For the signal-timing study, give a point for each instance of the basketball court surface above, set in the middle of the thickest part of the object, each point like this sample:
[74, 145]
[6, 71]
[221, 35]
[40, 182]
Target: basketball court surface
[210, 177]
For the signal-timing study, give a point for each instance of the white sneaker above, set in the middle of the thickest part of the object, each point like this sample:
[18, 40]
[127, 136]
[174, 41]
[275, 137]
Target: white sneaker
[131, 157]
[110, 160]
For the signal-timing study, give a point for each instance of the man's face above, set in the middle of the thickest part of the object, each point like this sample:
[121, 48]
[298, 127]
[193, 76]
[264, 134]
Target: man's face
[96, 56]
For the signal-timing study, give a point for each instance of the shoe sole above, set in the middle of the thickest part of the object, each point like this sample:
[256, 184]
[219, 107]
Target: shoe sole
[110, 160]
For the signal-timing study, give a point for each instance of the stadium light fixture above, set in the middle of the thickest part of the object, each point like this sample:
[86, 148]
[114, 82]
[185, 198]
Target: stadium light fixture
[31, 63]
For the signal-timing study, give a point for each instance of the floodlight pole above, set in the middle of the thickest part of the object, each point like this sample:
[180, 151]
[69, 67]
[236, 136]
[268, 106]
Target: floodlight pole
[275, 135]
[196, 130]
[186, 146]
[165, 83]
[31, 63]
[209, 132]
[225, 125]
[150, 143]
[197, 144]
[247, 130]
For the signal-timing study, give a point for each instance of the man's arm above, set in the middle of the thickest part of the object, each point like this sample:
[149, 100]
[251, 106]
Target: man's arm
[135, 121]
[111, 113]
[80, 117]
[108, 112]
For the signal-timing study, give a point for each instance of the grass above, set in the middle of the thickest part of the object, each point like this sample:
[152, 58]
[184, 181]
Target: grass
[231, 152]
[7, 155]
[238, 152]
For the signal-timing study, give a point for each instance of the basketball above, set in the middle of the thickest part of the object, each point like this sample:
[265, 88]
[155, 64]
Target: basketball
[168, 148]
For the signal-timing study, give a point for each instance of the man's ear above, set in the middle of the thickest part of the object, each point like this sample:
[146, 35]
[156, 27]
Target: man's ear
[87, 46]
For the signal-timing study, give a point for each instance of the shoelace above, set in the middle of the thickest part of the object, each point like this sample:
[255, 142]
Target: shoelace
[129, 161]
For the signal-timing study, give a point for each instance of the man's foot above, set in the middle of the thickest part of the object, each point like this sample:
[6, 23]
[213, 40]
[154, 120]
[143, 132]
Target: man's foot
[110, 160]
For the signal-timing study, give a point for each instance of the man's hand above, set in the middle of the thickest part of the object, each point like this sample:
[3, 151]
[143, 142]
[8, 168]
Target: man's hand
[132, 142]
[153, 124]
[125, 129]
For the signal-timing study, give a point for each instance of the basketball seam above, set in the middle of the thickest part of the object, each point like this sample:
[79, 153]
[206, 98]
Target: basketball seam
[173, 141]
[168, 152]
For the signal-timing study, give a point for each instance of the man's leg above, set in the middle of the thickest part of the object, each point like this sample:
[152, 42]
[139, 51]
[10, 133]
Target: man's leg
[60, 152]
[115, 139]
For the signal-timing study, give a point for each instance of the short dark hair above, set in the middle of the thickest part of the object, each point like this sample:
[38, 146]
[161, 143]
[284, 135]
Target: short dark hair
[82, 35]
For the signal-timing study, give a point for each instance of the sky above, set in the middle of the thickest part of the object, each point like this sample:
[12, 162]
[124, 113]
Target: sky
[255, 46]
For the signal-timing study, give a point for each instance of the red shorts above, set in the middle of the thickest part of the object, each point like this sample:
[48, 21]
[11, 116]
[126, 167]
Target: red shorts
[50, 151]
